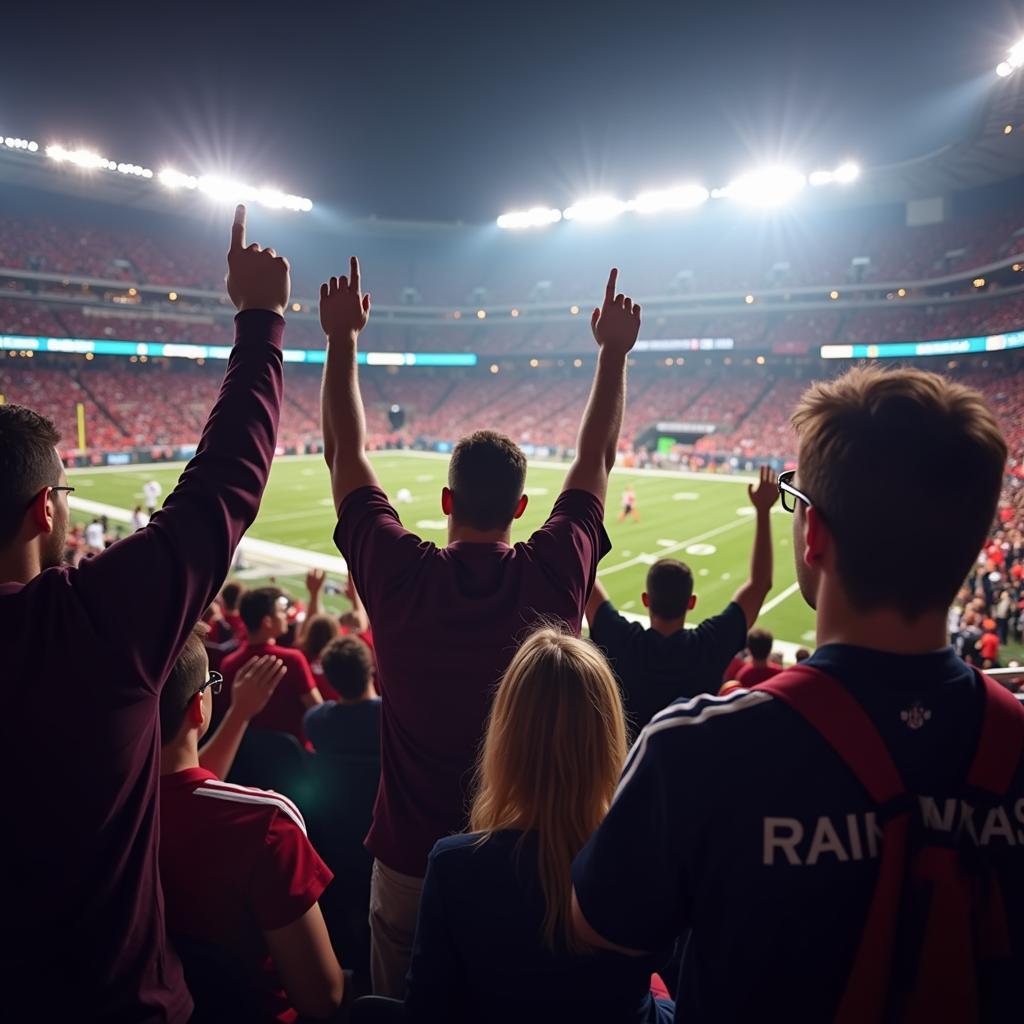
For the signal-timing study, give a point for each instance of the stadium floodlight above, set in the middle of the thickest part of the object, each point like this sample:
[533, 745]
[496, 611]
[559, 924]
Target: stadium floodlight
[84, 158]
[175, 179]
[535, 217]
[1014, 60]
[26, 144]
[768, 187]
[227, 191]
[681, 197]
[595, 210]
[844, 174]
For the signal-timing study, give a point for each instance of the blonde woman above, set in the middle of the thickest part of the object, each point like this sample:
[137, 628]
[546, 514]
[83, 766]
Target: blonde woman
[494, 940]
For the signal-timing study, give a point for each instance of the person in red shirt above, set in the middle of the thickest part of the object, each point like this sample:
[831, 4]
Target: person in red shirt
[988, 645]
[265, 614]
[230, 596]
[759, 668]
[446, 621]
[237, 869]
[84, 660]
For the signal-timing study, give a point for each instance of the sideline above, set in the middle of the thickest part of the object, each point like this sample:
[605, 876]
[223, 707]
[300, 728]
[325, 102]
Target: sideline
[146, 468]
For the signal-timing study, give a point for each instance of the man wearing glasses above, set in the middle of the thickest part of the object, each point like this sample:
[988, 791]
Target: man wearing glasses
[83, 663]
[237, 868]
[752, 821]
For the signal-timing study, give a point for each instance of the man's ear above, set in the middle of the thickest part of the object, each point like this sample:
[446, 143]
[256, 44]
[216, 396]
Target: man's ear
[646, 600]
[817, 539]
[446, 501]
[194, 711]
[521, 507]
[692, 603]
[41, 511]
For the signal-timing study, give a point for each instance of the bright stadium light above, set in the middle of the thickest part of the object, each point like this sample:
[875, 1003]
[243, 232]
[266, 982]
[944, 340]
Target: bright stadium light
[595, 210]
[1014, 60]
[79, 157]
[175, 179]
[770, 186]
[535, 217]
[844, 174]
[682, 197]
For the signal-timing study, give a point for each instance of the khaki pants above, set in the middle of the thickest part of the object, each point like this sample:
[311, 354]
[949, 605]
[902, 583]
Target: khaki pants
[394, 904]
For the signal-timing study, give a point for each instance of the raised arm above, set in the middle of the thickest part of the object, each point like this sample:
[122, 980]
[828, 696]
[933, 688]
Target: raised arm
[598, 596]
[185, 551]
[344, 312]
[314, 584]
[253, 687]
[615, 327]
[751, 595]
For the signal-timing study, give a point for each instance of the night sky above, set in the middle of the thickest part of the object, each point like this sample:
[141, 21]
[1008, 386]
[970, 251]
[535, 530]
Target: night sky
[461, 110]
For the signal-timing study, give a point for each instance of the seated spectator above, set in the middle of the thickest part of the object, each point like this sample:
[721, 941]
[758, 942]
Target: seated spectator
[350, 723]
[230, 596]
[81, 898]
[829, 794]
[760, 666]
[265, 614]
[316, 631]
[655, 666]
[802, 654]
[494, 940]
[237, 870]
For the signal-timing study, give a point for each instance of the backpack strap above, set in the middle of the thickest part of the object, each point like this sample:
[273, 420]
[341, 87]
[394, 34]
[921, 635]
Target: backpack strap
[1001, 741]
[829, 708]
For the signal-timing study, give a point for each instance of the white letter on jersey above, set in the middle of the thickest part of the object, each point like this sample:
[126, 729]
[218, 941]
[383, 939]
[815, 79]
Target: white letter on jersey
[787, 842]
[826, 840]
[997, 824]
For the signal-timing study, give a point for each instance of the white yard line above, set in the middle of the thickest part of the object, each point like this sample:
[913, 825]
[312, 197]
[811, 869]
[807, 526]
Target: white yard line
[779, 598]
[647, 558]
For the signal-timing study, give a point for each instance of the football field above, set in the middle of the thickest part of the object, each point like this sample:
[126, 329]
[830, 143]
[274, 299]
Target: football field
[703, 520]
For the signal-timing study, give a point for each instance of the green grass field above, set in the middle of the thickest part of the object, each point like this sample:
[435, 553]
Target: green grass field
[704, 521]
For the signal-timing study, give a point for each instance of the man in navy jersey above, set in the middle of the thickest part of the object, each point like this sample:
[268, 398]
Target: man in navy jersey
[446, 621]
[734, 819]
[83, 665]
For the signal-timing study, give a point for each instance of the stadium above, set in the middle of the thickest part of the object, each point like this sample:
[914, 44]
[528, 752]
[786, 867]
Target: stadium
[115, 325]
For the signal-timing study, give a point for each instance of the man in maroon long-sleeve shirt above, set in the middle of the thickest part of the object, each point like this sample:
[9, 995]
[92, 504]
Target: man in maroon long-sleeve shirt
[82, 664]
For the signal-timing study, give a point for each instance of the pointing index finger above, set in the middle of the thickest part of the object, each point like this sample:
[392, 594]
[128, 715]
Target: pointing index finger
[238, 228]
[609, 292]
[353, 276]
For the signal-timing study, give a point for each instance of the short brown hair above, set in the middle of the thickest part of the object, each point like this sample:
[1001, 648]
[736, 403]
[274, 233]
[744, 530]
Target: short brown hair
[348, 666]
[878, 454]
[486, 477]
[759, 643]
[231, 594]
[669, 588]
[28, 463]
[187, 675]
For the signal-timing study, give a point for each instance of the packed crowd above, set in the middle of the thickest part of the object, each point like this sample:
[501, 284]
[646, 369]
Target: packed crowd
[216, 753]
[155, 252]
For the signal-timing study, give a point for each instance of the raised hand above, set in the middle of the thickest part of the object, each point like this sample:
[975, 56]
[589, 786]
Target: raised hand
[255, 684]
[617, 323]
[315, 580]
[257, 278]
[766, 493]
[344, 310]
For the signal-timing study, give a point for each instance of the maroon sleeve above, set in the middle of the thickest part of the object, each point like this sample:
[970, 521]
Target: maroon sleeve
[569, 546]
[146, 592]
[289, 875]
[381, 553]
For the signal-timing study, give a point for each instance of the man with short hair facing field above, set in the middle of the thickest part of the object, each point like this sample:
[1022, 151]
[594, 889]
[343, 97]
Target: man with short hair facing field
[657, 665]
[779, 847]
[83, 665]
[446, 620]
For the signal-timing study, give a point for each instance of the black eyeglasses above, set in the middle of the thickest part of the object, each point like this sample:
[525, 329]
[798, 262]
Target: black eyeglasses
[214, 682]
[789, 494]
[59, 487]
